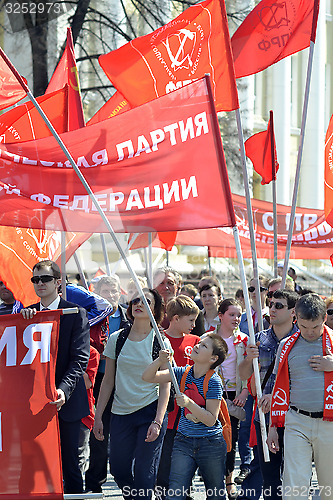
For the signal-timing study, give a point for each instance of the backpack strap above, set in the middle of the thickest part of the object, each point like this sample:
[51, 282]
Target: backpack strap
[223, 412]
[183, 379]
[156, 346]
[122, 337]
[206, 382]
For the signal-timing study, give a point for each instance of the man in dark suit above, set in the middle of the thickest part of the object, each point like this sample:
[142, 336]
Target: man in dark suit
[72, 361]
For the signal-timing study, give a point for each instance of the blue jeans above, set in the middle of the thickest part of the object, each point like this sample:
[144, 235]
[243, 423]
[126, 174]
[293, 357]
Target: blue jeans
[133, 461]
[207, 453]
[244, 435]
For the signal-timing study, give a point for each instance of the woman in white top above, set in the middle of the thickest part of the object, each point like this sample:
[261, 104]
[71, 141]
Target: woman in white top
[210, 296]
[229, 313]
[138, 422]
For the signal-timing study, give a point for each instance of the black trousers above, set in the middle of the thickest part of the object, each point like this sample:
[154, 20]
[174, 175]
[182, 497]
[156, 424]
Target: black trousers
[69, 441]
[97, 472]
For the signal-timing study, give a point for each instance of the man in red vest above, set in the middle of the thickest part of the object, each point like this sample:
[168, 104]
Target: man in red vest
[302, 401]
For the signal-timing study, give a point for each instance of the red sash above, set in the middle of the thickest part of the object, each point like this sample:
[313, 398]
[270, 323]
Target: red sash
[281, 392]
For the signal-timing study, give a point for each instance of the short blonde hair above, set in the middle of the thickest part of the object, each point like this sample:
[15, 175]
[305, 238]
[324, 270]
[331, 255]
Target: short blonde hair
[328, 301]
[181, 306]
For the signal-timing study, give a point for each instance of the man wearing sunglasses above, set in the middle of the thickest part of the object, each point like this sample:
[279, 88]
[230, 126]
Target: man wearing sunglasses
[72, 360]
[281, 312]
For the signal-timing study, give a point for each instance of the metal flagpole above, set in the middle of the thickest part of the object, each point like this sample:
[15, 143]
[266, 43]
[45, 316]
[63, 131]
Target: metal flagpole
[274, 193]
[98, 208]
[251, 227]
[117, 264]
[301, 141]
[298, 166]
[150, 260]
[209, 262]
[225, 179]
[105, 253]
[275, 229]
[63, 265]
[81, 273]
[252, 341]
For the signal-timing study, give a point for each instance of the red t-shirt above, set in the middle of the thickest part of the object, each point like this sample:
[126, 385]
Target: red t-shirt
[91, 371]
[182, 348]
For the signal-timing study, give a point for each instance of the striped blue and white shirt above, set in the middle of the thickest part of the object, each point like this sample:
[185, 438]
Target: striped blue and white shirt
[194, 390]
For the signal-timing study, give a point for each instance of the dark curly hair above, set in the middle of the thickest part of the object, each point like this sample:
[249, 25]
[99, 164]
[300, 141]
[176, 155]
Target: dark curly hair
[159, 307]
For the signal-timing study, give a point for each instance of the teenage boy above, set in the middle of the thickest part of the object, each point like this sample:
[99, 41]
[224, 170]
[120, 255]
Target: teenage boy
[199, 440]
[281, 314]
[181, 312]
[302, 401]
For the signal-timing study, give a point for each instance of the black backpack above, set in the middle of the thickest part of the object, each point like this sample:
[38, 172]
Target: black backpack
[122, 337]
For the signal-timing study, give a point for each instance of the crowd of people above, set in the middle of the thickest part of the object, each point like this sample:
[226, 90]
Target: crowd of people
[116, 404]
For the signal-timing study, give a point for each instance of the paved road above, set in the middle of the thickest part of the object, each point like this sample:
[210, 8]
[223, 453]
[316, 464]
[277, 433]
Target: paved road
[111, 490]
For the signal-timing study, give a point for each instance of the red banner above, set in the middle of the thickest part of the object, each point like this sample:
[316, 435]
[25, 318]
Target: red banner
[66, 72]
[24, 122]
[312, 239]
[195, 43]
[261, 150]
[30, 459]
[313, 236]
[10, 89]
[273, 30]
[21, 249]
[149, 168]
[116, 105]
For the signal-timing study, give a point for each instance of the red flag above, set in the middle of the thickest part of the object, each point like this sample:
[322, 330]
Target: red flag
[149, 169]
[195, 43]
[261, 150]
[30, 460]
[159, 240]
[329, 173]
[24, 122]
[21, 249]
[273, 30]
[10, 89]
[114, 106]
[66, 72]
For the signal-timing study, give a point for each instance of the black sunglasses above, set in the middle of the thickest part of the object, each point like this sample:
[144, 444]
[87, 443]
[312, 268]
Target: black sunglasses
[252, 288]
[329, 312]
[44, 278]
[278, 305]
[270, 294]
[138, 299]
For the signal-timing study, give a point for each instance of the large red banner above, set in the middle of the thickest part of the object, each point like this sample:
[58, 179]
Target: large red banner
[157, 167]
[21, 248]
[30, 459]
[24, 122]
[312, 239]
[312, 236]
[195, 43]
